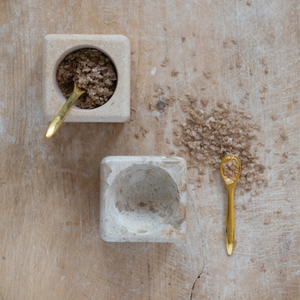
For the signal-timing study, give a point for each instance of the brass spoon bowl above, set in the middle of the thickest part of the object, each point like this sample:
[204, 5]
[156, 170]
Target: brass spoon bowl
[61, 115]
[230, 185]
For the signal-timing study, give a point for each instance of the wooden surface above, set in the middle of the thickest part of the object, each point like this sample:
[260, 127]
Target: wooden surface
[50, 246]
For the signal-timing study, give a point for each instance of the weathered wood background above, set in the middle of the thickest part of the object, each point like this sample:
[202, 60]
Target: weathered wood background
[50, 246]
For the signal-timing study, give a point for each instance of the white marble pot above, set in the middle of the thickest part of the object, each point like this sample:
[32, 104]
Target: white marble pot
[117, 47]
[143, 199]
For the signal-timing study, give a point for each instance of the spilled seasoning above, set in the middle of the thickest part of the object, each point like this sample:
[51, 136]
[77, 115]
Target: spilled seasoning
[207, 136]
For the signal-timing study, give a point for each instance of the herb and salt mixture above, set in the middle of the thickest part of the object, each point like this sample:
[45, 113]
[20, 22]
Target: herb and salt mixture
[230, 169]
[93, 72]
[207, 136]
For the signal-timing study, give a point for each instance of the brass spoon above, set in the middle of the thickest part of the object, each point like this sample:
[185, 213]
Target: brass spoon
[61, 115]
[230, 185]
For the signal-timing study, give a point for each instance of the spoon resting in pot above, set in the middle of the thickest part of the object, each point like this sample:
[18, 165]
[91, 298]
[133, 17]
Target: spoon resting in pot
[61, 115]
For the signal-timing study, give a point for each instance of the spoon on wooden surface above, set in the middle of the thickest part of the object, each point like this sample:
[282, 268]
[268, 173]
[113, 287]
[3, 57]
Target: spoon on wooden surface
[61, 115]
[230, 170]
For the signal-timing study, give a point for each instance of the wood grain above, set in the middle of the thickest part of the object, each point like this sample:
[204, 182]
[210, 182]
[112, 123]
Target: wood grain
[49, 227]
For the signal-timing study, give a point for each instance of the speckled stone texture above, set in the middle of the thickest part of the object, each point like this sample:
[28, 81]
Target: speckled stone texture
[55, 49]
[143, 199]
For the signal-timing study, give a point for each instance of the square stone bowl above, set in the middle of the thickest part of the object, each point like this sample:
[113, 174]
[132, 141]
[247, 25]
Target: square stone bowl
[117, 47]
[143, 199]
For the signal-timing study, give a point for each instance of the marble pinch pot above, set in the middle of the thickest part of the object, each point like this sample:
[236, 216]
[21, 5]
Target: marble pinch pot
[117, 47]
[143, 199]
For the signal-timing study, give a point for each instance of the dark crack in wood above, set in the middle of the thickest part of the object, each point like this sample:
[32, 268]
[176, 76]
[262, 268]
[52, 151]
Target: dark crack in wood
[192, 290]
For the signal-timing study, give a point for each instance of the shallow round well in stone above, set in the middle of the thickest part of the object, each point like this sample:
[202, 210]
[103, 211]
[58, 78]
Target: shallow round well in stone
[144, 198]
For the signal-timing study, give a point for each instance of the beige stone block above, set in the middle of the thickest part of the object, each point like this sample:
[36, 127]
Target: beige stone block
[57, 46]
[143, 199]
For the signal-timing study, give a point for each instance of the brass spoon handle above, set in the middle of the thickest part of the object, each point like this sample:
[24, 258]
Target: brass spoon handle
[61, 115]
[229, 226]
